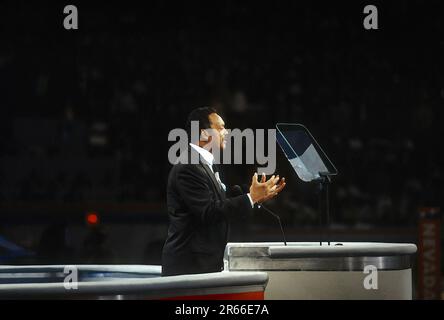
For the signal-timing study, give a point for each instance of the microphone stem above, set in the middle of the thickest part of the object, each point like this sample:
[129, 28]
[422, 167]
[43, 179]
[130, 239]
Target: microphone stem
[278, 218]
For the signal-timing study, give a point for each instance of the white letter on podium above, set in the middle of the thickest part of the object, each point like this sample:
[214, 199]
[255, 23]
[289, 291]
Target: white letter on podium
[71, 280]
[371, 281]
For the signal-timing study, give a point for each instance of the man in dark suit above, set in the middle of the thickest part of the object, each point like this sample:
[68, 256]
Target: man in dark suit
[199, 207]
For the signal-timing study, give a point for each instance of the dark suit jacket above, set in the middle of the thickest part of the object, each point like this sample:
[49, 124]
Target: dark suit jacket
[199, 212]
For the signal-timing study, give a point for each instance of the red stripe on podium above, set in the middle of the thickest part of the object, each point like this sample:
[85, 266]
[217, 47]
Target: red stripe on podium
[222, 296]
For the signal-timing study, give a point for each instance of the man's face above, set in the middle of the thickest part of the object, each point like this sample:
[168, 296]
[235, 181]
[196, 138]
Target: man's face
[218, 125]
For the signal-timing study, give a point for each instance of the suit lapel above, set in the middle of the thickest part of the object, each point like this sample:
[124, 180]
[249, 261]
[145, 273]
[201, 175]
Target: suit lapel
[213, 180]
[207, 169]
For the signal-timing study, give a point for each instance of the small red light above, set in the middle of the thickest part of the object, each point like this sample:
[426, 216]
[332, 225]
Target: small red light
[92, 218]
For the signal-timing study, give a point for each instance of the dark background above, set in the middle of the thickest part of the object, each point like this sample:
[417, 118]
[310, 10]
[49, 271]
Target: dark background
[85, 115]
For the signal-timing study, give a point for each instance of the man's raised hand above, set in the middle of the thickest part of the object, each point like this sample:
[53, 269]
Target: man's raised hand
[265, 189]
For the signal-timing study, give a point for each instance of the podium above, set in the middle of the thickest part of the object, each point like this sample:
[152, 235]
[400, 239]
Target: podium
[324, 269]
[306, 270]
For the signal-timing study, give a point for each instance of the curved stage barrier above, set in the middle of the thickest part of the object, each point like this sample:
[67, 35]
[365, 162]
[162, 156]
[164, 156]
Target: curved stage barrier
[127, 282]
[253, 271]
[306, 270]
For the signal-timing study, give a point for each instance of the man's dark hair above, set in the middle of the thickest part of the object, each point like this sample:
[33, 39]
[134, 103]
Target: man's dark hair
[201, 115]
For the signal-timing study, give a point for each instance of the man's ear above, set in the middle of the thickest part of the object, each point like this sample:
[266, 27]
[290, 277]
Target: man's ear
[204, 136]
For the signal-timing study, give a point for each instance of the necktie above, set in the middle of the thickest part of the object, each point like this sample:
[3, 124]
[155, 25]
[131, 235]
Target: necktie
[216, 174]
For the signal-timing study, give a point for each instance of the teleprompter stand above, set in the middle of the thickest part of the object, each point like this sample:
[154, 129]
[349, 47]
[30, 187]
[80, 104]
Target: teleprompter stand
[324, 205]
[311, 165]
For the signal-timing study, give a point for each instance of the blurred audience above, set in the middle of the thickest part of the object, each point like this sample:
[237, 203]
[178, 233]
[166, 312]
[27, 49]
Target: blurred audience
[99, 132]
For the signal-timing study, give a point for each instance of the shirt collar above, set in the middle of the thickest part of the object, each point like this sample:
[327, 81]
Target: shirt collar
[206, 155]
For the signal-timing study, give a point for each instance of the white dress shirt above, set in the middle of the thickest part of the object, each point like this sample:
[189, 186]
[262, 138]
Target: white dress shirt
[208, 158]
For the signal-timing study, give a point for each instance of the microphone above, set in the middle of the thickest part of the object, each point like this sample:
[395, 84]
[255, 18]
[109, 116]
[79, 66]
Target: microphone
[235, 191]
[261, 205]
